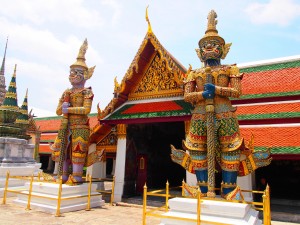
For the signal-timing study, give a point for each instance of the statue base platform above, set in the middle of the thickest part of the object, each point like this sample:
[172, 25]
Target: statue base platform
[73, 198]
[211, 212]
[16, 156]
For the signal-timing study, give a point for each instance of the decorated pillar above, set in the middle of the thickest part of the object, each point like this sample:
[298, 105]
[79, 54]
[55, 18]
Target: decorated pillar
[120, 162]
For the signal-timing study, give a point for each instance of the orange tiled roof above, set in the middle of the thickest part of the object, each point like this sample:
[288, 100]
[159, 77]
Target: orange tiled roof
[48, 123]
[93, 120]
[284, 80]
[48, 136]
[269, 108]
[53, 123]
[272, 136]
[44, 149]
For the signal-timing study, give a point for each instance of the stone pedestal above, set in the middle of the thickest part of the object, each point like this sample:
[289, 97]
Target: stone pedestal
[211, 212]
[44, 197]
[16, 156]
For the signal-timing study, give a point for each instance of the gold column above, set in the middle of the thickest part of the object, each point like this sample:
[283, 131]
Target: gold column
[187, 125]
[121, 131]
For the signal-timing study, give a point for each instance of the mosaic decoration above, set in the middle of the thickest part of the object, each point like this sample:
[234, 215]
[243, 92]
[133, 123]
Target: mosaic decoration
[158, 80]
[72, 142]
[14, 121]
[214, 135]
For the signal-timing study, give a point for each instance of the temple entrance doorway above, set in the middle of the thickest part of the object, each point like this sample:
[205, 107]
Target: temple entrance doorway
[280, 175]
[148, 156]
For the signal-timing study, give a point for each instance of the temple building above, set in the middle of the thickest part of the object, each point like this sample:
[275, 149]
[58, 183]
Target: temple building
[147, 113]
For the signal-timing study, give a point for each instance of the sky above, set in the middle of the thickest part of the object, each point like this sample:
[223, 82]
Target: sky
[44, 38]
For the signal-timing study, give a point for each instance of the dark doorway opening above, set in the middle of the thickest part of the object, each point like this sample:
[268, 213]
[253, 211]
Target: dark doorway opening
[282, 177]
[109, 166]
[44, 159]
[152, 142]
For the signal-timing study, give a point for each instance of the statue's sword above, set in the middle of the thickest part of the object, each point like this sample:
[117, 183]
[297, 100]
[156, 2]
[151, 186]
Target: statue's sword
[64, 139]
[210, 138]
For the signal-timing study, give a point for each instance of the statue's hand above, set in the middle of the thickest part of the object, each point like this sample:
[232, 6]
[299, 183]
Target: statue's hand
[210, 88]
[209, 91]
[208, 94]
[64, 107]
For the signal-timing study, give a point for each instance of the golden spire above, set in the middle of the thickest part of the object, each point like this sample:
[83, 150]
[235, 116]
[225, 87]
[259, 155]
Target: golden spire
[212, 22]
[80, 62]
[147, 19]
[212, 32]
[81, 56]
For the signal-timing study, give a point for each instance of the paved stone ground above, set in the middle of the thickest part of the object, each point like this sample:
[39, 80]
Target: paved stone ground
[122, 214]
[12, 214]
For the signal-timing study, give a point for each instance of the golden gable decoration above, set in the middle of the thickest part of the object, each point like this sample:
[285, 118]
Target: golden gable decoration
[158, 81]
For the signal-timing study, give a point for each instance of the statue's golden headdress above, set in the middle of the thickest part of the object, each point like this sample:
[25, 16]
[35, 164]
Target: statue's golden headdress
[212, 33]
[80, 61]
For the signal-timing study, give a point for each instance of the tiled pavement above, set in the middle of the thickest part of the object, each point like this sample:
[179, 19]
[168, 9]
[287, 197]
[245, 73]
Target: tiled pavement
[122, 214]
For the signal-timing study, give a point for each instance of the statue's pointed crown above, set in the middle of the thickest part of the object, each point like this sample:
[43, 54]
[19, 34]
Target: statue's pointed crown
[212, 31]
[80, 61]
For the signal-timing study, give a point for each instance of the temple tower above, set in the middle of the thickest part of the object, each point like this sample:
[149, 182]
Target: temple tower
[2, 77]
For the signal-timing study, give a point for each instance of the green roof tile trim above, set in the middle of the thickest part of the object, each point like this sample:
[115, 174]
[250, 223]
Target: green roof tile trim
[47, 141]
[277, 66]
[266, 95]
[269, 116]
[186, 110]
[282, 150]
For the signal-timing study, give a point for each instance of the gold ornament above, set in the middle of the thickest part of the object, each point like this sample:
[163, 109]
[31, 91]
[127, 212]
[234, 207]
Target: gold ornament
[80, 61]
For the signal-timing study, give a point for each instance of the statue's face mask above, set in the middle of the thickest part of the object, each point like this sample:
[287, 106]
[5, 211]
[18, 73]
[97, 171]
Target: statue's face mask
[76, 76]
[211, 49]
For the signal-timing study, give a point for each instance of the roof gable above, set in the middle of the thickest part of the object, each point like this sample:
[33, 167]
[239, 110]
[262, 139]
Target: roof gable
[157, 81]
[140, 70]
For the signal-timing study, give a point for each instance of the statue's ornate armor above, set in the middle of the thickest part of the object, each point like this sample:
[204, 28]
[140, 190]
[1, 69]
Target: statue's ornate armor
[226, 124]
[78, 129]
[214, 130]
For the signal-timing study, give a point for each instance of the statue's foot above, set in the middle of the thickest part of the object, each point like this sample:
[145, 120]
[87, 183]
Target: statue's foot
[236, 194]
[211, 194]
[74, 180]
[48, 177]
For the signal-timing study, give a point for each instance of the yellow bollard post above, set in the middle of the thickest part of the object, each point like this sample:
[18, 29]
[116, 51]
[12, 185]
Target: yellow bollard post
[264, 208]
[167, 196]
[144, 204]
[29, 194]
[39, 176]
[5, 188]
[268, 204]
[59, 197]
[88, 207]
[112, 191]
[198, 206]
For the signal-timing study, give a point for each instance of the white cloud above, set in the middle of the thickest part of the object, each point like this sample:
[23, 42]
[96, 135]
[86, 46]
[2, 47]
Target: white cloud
[116, 9]
[274, 12]
[74, 12]
[43, 45]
